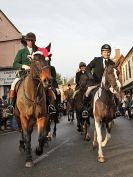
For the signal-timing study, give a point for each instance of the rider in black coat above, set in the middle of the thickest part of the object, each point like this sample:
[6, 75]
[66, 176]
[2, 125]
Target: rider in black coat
[82, 71]
[95, 70]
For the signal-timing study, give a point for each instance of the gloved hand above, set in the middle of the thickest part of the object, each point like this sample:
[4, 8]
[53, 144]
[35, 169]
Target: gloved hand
[90, 76]
[26, 67]
[58, 91]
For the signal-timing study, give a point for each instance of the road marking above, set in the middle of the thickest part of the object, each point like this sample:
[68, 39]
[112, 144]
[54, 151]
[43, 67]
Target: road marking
[50, 152]
[6, 133]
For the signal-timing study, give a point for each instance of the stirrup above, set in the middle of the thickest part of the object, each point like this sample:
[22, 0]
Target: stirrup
[85, 114]
[9, 111]
[51, 109]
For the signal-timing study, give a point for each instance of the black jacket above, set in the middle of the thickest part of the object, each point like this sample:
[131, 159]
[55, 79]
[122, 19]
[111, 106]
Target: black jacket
[97, 68]
[78, 75]
[53, 73]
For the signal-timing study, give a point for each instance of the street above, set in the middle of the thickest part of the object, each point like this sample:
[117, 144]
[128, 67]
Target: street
[68, 155]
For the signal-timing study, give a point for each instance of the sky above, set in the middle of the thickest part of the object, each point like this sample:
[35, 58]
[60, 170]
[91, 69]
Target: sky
[76, 28]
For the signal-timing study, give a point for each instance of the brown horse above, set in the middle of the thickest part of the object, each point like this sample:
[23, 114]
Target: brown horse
[83, 123]
[104, 107]
[31, 105]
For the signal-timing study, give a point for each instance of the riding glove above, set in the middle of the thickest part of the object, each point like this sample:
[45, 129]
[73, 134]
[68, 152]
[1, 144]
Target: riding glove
[26, 67]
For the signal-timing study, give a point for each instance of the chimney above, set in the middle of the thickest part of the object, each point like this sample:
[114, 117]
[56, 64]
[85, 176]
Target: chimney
[117, 54]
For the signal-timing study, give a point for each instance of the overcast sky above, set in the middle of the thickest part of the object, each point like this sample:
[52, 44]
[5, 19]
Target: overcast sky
[76, 28]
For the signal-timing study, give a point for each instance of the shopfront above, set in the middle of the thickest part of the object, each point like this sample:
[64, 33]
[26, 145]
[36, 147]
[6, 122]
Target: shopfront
[7, 75]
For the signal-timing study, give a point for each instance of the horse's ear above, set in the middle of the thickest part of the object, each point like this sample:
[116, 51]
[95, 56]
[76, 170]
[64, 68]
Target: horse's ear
[48, 47]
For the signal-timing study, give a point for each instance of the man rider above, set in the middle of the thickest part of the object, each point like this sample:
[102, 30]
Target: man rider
[82, 71]
[22, 63]
[95, 71]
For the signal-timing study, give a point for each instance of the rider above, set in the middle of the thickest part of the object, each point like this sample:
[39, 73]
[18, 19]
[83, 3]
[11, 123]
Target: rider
[22, 63]
[82, 71]
[95, 70]
[69, 92]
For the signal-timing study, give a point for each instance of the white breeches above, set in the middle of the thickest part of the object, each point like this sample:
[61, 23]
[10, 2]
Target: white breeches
[75, 92]
[14, 83]
[89, 89]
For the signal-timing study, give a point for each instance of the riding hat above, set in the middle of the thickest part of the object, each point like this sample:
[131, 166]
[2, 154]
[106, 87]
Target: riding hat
[106, 47]
[82, 64]
[30, 36]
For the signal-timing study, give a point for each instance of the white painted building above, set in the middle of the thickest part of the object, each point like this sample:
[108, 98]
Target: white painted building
[127, 72]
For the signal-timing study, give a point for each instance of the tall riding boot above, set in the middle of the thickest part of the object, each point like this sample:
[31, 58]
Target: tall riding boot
[11, 101]
[85, 107]
[51, 99]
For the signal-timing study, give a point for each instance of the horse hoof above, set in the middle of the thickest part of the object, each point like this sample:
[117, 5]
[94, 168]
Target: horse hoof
[29, 164]
[22, 149]
[88, 138]
[39, 151]
[54, 135]
[95, 146]
[101, 159]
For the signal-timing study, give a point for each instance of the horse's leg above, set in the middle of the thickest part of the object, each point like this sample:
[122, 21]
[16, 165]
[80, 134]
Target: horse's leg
[87, 138]
[22, 142]
[68, 112]
[95, 139]
[54, 129]
[48, 129]
[27, 126]
[99, 140]
[42, 134]
[108, 135]
[85, 130]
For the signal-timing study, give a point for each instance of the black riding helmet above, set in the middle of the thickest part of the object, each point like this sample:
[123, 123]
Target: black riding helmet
[30, 36]
[106, 47]
[82, 64]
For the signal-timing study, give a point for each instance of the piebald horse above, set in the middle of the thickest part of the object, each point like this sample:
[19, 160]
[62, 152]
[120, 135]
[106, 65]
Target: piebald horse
[104, 107]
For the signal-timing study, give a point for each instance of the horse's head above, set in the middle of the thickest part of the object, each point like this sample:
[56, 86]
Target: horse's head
[110, 79]
[40, 67]
[83, 81]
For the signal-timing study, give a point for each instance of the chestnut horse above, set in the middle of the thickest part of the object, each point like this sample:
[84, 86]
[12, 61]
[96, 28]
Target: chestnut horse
[31, 108]
[104, 107]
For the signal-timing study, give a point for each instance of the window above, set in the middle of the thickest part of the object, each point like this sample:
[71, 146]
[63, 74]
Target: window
[129, 67]
[123, 75]
[126, 73]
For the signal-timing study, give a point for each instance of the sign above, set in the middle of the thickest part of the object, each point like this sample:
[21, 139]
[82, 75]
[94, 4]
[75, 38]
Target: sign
[7, 77]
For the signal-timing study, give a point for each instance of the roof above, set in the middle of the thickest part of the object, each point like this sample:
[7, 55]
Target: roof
[9, 20]
[131, 50]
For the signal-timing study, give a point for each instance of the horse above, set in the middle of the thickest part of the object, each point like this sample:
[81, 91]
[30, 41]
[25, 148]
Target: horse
[104, 107]
[30, 107]
[82, 122]
[70, 110]
[69, 107]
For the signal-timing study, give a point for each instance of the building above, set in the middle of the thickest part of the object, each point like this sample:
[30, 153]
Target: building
[10, 43]
[127, 73]
[118, 59]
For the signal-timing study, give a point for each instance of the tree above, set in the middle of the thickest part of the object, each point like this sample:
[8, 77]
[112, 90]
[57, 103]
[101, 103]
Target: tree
[59, 79]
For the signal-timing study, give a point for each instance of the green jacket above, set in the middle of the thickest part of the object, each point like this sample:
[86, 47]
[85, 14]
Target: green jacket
[21, 59]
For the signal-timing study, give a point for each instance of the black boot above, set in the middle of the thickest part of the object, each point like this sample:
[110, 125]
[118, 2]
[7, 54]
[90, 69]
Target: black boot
[11, 102]
[85, 107]
[51, 109]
